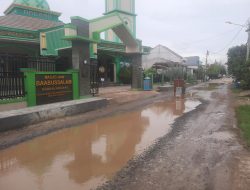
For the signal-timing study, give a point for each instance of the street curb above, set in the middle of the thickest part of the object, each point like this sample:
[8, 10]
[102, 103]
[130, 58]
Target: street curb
[17, 119]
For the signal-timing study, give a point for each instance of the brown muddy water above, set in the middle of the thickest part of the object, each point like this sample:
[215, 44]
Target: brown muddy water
[210, 86]
[86, 156]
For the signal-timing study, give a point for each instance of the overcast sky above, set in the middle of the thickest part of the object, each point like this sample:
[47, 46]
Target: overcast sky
[189, 27]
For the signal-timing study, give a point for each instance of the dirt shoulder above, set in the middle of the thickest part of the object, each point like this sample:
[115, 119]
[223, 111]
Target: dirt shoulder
[201, 152]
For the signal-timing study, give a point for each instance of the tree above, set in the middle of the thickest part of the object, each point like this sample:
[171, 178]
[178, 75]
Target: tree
[237, 65]
[150, 72]
[216, 70]
[200, 73]
[237, 61]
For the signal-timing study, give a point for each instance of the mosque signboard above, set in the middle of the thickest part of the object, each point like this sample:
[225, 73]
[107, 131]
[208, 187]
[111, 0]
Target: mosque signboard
[52, 88]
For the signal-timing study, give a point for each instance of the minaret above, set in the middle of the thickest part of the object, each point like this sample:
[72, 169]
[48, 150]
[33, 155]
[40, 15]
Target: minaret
[126, 9]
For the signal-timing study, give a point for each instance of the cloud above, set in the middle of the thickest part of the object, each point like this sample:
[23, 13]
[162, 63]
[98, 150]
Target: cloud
[189, 27]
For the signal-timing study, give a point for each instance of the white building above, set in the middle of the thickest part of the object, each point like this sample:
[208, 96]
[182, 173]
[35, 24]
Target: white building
[162, 56]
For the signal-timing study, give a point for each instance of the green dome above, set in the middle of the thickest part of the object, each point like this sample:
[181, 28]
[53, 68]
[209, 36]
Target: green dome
[38, 4]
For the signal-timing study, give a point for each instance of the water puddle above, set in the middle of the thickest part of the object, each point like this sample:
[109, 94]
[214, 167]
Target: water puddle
[86, 156]
[210, 86]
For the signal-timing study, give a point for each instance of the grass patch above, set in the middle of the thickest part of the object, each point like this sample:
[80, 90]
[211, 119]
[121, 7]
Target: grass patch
[236, 90]
[243, 117]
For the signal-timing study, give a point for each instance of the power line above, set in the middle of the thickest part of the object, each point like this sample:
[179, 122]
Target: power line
[211, 37]
[236, 35]
[188, 44]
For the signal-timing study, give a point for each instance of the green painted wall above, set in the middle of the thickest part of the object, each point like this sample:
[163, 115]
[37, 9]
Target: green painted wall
[55, 42]
[30, 86]
[76, 85]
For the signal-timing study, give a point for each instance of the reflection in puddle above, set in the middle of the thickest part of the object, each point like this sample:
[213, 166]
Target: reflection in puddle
[98, 148]
[190, 105]
[86, 156]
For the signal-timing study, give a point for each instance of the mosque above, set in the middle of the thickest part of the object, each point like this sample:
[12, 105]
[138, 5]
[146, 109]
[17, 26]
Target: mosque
[33, 36]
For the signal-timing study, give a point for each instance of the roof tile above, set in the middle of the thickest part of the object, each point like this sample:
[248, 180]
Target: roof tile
[27, 23]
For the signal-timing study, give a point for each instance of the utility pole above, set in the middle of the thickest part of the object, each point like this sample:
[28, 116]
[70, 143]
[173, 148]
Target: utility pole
[207, 54]
[248, 41]
[207, 57]
[248, 31]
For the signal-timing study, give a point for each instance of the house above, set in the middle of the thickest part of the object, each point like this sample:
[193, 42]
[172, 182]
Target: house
[193, 64]
[164, 59]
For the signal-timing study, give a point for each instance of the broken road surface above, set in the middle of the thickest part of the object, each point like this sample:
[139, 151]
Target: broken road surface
[203, 151]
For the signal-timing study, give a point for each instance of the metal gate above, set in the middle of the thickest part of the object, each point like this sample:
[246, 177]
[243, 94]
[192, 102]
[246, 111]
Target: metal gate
[13, 63]
[11, 85]
[94, 82]
[11, 77]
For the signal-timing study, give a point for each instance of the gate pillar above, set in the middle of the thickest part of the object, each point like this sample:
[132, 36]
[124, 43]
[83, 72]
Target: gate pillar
[137, 72]
[81, 54]
[81, 62]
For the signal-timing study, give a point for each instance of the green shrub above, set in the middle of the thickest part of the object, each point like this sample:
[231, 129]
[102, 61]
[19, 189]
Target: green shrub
[150, 72]
[191, 79]
[238, 67]
[243, 84]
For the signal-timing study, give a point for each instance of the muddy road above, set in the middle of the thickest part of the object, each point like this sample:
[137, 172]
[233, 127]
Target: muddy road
[157, 143]
[87, 155]
[203, 151]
